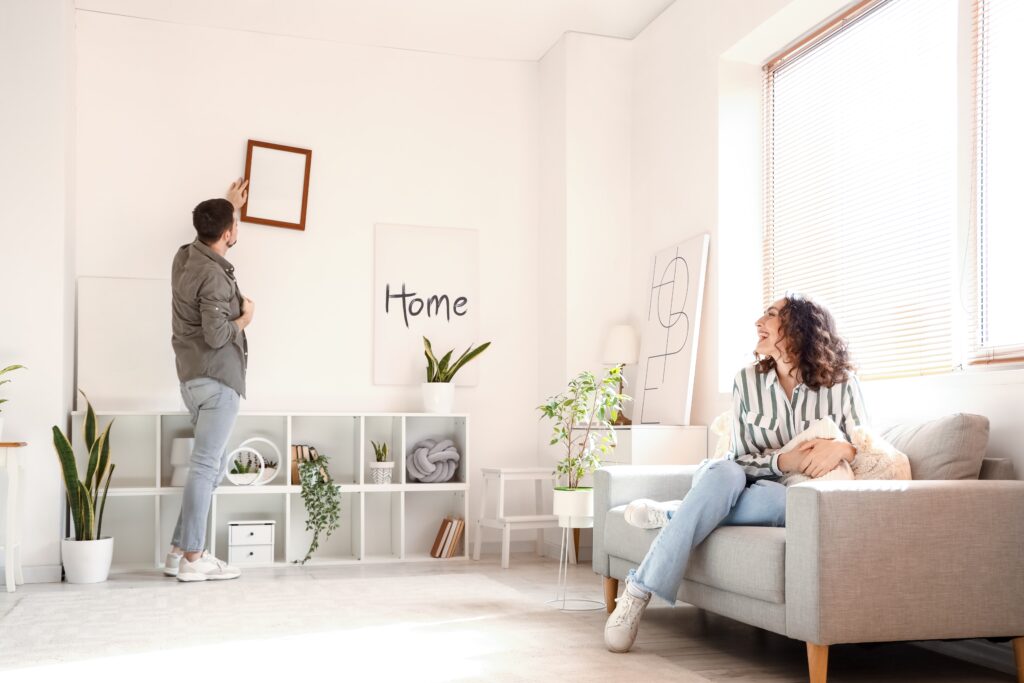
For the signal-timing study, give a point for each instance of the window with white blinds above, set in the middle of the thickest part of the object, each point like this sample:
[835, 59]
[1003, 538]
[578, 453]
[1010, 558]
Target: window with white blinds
[997, 314]
[860, 182]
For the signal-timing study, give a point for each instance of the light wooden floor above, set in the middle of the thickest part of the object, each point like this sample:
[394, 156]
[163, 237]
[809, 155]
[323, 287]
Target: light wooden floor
[493, 621]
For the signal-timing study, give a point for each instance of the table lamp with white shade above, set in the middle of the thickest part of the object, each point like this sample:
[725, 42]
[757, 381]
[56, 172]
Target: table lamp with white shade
[621, 348]
[181, 454]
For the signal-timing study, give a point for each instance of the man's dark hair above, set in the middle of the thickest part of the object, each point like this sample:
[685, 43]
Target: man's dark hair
[212, 218]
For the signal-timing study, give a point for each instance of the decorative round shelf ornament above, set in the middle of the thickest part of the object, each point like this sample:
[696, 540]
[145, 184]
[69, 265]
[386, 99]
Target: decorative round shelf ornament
[262, 474]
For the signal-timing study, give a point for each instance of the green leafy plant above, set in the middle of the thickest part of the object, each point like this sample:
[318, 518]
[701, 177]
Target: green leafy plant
[9, 368]
[84, 496]
[380, 451]
[250, 464]
[592, 405]
[444, 370]
[321, 498]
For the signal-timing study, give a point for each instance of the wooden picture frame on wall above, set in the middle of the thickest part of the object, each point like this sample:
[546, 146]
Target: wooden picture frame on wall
[278, 178]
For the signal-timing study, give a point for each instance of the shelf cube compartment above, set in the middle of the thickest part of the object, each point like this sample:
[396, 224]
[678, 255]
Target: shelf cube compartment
[133, 440]
[233, 508]
[335, 437]
[131, 521]
[383, 515]
[384, 429]
[424, 512]
[342, 544]
[437, 427]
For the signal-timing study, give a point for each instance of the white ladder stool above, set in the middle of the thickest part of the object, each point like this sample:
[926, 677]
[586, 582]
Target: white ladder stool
[12, 541]
[506, 523]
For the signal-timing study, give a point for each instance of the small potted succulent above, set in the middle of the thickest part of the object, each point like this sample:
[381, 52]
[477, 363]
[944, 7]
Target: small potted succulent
[381, 468]
[438, 390]
[590, 406]
[9, 368]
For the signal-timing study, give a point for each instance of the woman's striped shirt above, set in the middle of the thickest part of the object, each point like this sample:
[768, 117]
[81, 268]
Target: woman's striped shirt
[764, 420]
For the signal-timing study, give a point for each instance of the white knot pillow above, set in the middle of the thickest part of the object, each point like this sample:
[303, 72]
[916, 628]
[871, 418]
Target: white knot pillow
[432, 462]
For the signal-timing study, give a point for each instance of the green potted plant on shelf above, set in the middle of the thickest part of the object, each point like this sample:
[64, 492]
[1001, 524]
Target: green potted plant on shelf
[9, 368]
[582, 415]
[438, 390]
[87, 556]
[321, 497]
[381, 468]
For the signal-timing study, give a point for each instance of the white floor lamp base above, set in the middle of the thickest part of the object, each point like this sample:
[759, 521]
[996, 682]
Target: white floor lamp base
[562, 601]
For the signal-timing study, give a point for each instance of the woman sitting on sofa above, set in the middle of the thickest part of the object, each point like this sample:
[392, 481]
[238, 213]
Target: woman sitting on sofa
[803, 373]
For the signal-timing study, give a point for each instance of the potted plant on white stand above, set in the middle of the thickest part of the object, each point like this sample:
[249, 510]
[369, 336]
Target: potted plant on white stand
[9, 368]
[592, 406]
[438, 390]
[87, 556]
[381, 468]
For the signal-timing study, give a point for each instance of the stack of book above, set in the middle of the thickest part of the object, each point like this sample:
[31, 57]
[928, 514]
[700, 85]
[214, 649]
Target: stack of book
[448, 537]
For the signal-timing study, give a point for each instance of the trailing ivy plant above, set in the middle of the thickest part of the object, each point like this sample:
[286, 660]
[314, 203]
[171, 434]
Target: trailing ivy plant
[321, 498]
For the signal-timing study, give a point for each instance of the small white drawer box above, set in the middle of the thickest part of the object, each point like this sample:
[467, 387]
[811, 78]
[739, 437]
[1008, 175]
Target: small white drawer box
[250, 554]
[250, 533]
[251, 542]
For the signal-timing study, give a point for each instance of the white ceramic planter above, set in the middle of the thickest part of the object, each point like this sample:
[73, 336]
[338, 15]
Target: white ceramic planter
[380, 472]
[438, 397]
[87, 561]
[575, 508]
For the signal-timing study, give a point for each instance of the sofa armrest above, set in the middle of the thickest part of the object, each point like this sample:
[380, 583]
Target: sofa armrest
[870, 561]
[619, 484]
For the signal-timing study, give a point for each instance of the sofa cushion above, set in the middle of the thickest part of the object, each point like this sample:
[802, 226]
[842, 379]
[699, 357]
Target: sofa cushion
[747, 560]
[950, 447]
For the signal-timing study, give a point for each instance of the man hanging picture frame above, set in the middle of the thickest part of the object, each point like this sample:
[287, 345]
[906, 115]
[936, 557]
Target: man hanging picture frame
[278, 178]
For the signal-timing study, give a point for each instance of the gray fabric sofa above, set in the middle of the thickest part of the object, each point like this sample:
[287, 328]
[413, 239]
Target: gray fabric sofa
[858, 561]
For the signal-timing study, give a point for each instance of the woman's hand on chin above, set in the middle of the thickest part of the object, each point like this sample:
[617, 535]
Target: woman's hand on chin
[821, 456]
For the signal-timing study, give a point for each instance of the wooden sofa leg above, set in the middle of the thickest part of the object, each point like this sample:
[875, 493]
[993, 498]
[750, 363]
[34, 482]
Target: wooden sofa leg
[611, 591]
[1018, 654]
[817, 662]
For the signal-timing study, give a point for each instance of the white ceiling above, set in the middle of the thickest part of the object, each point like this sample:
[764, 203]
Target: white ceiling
[495, 29]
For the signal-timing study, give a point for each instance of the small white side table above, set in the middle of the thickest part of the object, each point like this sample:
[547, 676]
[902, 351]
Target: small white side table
[12, 540]
[506, 523]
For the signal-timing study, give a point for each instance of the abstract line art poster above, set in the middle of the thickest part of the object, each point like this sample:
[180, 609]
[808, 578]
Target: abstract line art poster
[668, 347]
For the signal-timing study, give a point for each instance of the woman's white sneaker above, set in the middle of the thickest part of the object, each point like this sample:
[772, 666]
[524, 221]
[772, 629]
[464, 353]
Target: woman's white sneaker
[171, 564]
[645, 513]
[621, 628]
[206, 568]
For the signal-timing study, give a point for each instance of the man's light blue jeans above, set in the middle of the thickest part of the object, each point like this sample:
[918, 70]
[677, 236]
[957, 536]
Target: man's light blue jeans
[213, 408]
[719, 496]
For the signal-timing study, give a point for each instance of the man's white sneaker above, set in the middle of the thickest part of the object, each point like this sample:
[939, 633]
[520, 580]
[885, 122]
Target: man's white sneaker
[206, 568]
[649, 514]
[621, 628]
[171, 564]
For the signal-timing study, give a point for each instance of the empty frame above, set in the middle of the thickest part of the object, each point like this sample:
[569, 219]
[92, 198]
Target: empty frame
[278, 185]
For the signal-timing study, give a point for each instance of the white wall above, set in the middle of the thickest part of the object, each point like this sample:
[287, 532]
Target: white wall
[404, 137]
[36, 191]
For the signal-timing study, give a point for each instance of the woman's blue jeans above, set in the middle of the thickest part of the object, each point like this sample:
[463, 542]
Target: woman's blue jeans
[719, 496]
[213, 408]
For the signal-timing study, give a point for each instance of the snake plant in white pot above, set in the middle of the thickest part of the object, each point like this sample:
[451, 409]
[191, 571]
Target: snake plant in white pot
[9, 368]
[438, 390]
[88, 554]
[583, 415]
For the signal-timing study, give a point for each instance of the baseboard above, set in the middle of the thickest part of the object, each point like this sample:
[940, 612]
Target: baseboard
[998, 656]
[39, 573]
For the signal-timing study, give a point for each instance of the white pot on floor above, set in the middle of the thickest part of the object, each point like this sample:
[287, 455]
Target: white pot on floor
[87, 561]
[438, 397]
[574, 507]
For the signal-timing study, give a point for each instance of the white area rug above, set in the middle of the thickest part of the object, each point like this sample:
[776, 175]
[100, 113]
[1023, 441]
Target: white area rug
[447, 627]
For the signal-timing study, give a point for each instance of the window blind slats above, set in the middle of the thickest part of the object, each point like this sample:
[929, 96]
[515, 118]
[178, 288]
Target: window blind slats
[860, 183]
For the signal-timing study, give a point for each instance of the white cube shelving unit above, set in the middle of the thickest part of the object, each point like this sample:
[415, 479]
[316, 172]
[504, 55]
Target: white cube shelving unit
[379, 523]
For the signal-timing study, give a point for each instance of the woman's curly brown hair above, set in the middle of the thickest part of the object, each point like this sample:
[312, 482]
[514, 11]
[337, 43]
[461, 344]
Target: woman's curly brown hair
[809, 332]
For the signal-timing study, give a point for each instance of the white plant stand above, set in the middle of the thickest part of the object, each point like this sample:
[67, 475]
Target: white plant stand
[12, 547]
[394, 522]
